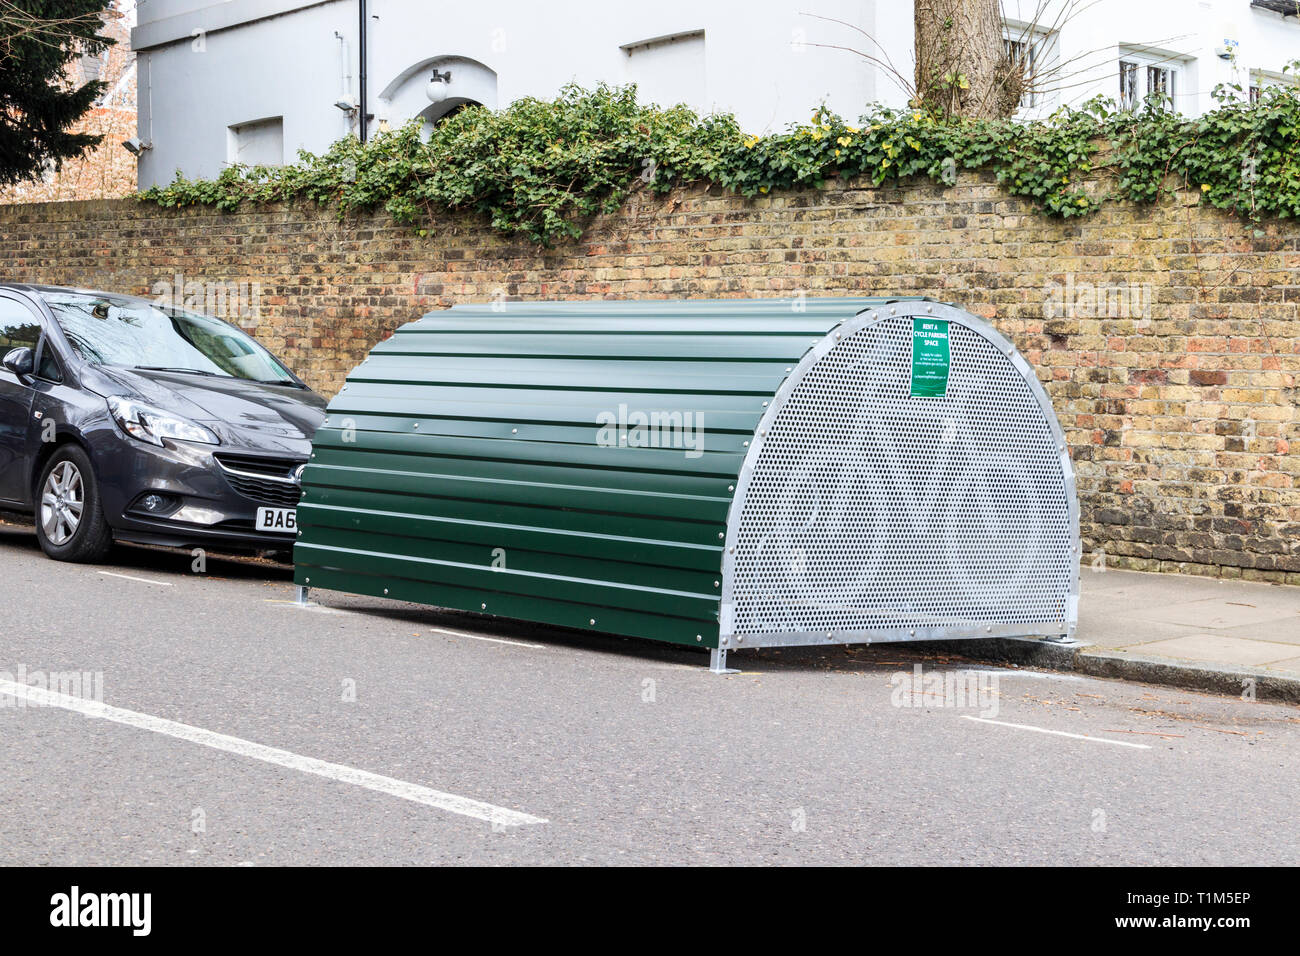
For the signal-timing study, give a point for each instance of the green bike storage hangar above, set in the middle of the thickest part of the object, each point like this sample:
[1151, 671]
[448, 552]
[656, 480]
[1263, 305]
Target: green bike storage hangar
[716, 473]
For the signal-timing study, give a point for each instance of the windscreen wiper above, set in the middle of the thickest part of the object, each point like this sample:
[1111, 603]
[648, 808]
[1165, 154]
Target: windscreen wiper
[278, 381]
[188, 371]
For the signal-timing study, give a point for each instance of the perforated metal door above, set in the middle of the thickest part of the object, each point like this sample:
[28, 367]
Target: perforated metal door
[866, 513]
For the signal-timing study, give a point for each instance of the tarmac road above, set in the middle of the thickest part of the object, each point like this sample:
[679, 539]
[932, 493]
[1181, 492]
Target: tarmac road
[231, 736]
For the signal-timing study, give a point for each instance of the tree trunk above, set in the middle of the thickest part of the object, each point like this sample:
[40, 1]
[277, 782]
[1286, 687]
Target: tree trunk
[962, 68]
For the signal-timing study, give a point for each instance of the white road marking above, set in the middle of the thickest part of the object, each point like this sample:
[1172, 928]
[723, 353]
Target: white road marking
[309, 606]
[1058, 733]
[1013, 672]
[480, 637]
[450, 802]
[132, 577]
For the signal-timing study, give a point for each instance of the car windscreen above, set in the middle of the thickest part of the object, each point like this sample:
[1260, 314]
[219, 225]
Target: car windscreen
[105, 330]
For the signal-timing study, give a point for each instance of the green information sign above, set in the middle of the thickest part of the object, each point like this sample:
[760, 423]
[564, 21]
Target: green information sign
[930, 358]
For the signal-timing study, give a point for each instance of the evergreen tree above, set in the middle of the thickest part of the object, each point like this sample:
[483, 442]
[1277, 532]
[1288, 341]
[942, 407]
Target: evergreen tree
[38, 104]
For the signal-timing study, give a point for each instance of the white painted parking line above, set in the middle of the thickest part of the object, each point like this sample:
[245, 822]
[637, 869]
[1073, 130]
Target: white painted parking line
[480, 637]
[1015, 672]
[450, 802]
[309, 606]
[1058, 733]
[132, 577]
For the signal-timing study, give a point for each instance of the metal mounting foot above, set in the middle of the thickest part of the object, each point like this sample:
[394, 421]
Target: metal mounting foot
[300, 595]
[1066, 639]
[718, 662]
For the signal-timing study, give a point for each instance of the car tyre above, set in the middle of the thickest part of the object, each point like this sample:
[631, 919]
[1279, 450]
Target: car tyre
[70, 521]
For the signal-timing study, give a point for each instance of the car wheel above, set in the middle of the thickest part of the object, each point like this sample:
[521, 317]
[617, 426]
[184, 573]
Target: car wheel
[69, 517]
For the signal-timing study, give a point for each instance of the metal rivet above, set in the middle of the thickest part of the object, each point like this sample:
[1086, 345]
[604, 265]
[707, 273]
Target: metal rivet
[739, 639]
[514, 431]
[929, 308]
[717, 584]
[416, 425]
[721, 534]
[746, 444]
[592, 621]
[385, 590]
[765, 404]
[790, 370]
[306, 580]
[893, 311]
[483, 606]
[698, 637]
[731, 487]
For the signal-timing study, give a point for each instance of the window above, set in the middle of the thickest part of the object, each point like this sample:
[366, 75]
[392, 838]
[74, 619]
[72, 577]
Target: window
[107, 330]
[1261, 80]
[92, 66]
[47, 366]
[1034, 54]
[1024, 54]
[1160, 79]
[19, 327]
[258, 143]
[1141, 75]
[1128, 85]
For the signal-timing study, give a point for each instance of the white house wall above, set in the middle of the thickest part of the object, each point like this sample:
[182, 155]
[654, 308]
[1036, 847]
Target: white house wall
[760, 62]
[206, 66]
[1187, 34]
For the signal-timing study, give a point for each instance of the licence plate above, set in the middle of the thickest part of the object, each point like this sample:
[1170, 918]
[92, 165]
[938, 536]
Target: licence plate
[277, 520]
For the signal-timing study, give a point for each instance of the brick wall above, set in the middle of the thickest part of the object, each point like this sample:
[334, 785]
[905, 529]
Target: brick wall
[1168, 337]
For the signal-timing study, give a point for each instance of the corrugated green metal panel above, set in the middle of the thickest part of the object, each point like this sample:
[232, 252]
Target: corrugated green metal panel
[464, 463]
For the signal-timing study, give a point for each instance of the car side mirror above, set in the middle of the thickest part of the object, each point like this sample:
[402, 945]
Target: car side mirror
[20, 361]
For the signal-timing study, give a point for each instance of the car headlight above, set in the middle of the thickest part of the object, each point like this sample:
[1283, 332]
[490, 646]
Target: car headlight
[153, 424]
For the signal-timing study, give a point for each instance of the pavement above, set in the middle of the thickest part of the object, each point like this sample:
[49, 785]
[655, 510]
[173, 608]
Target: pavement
[1216, 634]
[232, 727]
[1185, 618]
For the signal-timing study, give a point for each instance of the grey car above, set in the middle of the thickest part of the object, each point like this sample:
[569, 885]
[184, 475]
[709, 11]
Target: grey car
[126, 419]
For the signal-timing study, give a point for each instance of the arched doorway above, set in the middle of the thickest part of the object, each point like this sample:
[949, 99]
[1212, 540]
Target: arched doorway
[461, 82]
[446, 109]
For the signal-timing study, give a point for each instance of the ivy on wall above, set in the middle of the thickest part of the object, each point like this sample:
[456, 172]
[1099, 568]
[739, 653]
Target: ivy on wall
[541, 168]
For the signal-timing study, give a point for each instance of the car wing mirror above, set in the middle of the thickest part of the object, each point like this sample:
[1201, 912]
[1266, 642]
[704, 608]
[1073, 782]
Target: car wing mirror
[20, 361]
